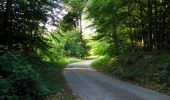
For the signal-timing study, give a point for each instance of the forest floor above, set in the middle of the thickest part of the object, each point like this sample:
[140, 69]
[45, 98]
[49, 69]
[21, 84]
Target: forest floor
[92, 85]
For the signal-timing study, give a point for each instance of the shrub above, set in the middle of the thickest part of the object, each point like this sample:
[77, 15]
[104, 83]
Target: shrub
[150, 69]
[18, 80]
[101, 63]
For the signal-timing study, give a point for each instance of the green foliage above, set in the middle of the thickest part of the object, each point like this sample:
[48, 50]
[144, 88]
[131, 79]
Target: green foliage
[108, 24]
[19, 23]
[72, 60]
[101, 63]
[74, 45]
[148, 69]
[130, 23]
[70, 44]
[18, 79]
[126, 26]
[71, 27]
[50, 66]
[69, 22]
[98, 47]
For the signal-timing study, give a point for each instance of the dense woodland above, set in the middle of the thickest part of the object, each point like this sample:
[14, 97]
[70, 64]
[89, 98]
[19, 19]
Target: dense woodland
[134, 23]
[29, 54]
[126, 31]
[133, 37]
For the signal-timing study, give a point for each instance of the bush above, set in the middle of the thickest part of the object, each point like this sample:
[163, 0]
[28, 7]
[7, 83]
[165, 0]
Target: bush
[101, 63]
[18, 80]
[150, 69]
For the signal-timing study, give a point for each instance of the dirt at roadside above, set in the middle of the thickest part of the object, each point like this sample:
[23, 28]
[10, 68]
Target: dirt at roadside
[65, 94]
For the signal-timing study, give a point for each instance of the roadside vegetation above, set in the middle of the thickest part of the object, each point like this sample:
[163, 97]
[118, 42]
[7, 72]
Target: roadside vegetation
[150, 70]
[31, 77]
[132, 41]
[31, 57]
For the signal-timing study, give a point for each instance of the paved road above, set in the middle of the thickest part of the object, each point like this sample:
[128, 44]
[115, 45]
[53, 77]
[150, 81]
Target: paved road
[92, 85]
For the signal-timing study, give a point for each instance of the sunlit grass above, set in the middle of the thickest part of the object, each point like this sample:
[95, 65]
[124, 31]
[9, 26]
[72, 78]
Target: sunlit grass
[72, 60]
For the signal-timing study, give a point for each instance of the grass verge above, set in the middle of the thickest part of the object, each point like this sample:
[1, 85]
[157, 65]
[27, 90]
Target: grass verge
[51, 73]
[148, 69]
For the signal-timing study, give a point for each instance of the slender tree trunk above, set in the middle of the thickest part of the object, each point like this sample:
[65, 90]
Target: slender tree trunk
[130, 27]
[142, 25]
[167, 23]
[7, 20]
[81, 32]
[150, 25]
[163, 40]
[156, 26]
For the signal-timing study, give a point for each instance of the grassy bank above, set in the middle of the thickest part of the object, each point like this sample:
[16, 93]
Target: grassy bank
[31, 78]
[51, 73]
[149, 69]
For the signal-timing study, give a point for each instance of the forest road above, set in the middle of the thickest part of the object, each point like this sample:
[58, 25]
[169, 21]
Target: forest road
[92, 85]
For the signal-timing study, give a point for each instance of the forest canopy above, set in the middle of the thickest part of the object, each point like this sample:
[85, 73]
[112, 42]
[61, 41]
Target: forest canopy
[137, 23]
[19, 23]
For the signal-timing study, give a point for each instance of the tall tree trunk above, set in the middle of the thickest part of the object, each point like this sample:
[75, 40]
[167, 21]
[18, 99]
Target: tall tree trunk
[167, 23]
[163, 30]
[142, 25]
[156, 26]
[130, 27]
[7, 21]
[81, 32]
[150, 25]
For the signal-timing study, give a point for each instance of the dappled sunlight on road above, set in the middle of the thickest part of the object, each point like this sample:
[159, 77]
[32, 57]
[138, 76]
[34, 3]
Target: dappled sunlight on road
[80, 66]
[79, 69]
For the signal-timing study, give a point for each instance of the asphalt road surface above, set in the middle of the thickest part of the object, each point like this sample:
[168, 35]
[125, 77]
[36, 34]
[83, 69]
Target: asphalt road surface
[92, 85]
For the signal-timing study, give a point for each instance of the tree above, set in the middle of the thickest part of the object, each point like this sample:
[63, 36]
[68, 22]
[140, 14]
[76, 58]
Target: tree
[76, 8]
[71, 43]
[19, 23]
[72, 23]
[107, 19]
[143, 22]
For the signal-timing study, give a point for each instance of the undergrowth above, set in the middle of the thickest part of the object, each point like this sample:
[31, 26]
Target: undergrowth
[31, 77]
[53, 78]
[18, 79]
[149, 69]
